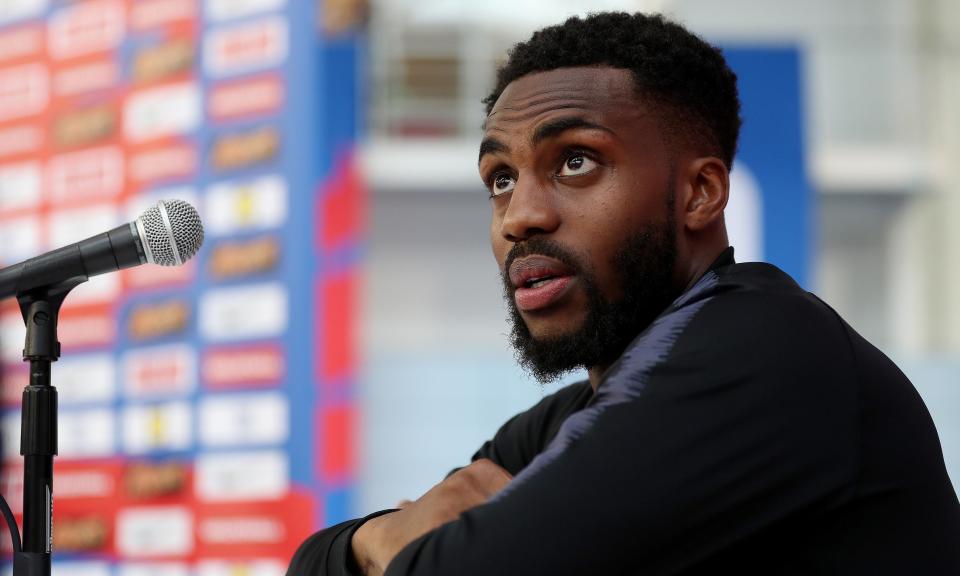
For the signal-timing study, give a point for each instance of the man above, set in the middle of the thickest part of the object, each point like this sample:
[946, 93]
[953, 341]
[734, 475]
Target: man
[732, 422]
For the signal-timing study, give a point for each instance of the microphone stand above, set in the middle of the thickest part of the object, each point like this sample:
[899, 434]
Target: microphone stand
[38, 428]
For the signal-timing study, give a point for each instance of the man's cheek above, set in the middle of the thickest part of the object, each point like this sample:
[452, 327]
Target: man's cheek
[498, 245]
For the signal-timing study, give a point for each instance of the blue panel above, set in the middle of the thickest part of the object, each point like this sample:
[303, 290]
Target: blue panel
[772, 144]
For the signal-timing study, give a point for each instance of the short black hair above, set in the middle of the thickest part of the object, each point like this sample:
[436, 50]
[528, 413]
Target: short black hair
[683, 77]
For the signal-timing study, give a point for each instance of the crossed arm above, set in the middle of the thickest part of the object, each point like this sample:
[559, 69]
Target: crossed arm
[379, 540]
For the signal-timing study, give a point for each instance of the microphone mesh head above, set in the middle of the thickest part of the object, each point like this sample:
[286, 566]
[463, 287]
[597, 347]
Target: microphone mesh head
[183, 236]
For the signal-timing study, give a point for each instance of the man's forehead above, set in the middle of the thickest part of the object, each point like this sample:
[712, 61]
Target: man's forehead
[582, 90]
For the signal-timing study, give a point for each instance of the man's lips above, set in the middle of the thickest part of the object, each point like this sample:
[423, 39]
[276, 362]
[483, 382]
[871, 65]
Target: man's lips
[538, 281]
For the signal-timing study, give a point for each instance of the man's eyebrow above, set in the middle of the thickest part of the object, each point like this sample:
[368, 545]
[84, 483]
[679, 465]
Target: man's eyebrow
[491, 146]
[556, 127]
[545, 131]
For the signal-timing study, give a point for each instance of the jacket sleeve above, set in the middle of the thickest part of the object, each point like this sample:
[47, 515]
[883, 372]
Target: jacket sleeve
[328, 552]
[707, 431]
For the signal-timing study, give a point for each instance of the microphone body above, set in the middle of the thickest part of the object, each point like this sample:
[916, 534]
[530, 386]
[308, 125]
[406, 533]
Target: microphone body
[167, 234]
[106, 252]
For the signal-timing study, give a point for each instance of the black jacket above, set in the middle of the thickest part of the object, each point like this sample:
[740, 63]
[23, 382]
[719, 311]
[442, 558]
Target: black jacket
[748, 430]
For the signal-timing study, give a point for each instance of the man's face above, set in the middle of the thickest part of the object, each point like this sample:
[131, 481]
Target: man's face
[583, 226]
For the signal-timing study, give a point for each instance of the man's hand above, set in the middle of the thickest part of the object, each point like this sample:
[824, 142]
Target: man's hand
[380, 539]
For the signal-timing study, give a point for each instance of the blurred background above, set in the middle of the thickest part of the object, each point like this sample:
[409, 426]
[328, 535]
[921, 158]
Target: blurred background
[340, 342]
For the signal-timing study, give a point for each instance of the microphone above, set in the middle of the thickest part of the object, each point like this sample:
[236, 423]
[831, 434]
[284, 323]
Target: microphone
[167, 234]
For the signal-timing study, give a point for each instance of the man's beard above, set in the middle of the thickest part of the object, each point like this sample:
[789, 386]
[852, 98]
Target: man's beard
[645, 264]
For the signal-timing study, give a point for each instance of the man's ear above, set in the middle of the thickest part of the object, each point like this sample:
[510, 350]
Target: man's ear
[707, 187]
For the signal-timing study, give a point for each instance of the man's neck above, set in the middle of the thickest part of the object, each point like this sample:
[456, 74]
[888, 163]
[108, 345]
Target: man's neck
[596, 373]
[700, 265]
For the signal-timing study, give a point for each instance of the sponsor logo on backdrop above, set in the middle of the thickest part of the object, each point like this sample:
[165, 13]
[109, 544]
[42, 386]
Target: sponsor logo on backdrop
[66, 226]
[81, 534]
[85, 481]
[240, 258]
[238, 529]
[152, 13]
[10, 439]
[24, 91]
[244, 312]
[243, 419]
[85, 378]
[11, 10]
[77, 568]
[19, 239]
[155, 63]
[243, 366]
[12, 336]
[19, 186]
[159, 371]
[86, 77]
[245, 98]
[245, 205]
[23, 42]
[141, 277]
[96, 173]
[164, 162]
[15, 379]
[156, 569]
[163, 111]
[85, 126]
[218, 10]
[18, 140]
[11, 486]
[155, 531]
[242, 149]
[150, 480]
[227, 477]
[158, 319]
[85, 28]
[86, 433]
[166, 426]
[258, 538]
[97, 290]
[238, 568]
[246, 47]
[86, 327]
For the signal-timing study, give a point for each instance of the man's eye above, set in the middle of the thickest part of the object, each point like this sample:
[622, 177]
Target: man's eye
[502, 183]
[576, 165]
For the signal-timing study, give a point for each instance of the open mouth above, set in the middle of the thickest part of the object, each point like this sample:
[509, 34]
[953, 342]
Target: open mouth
[539, 281]
[541, 293]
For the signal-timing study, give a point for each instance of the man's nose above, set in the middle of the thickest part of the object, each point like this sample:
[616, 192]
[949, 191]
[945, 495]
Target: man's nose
[531, 211]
